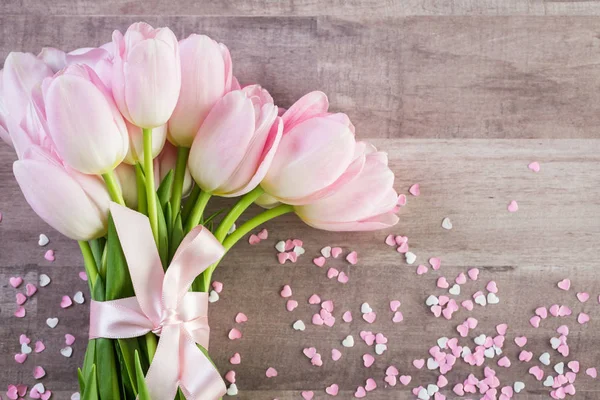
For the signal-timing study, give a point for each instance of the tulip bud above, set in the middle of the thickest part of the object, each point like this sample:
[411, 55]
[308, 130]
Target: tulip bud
[205, 77]
[73, 203]
[84, 123]
[146, 74]
[127, 180]
[236, 143]
[366, 202]
[136, 142]
[314, 155]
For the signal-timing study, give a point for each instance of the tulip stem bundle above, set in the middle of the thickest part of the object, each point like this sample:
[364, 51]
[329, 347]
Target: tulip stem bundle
[150, 190]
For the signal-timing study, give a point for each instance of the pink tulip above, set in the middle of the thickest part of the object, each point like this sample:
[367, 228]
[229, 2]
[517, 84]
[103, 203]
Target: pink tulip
[84, 122]
[205, 77]
[4, 135]
[316, 153]
[136, 142]
[73, 203]
[57, 59]
[127, 181]
[146, 74]
[367, 202]
[236, 143]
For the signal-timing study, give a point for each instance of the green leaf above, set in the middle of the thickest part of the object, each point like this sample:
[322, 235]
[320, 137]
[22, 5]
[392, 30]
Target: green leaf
[189, 203]
[106, 366]
[165, 189]
[176, 236]
[88, 360]
[142, 388]
[91, 386]
[141, 189]
[118, 280]
[97, 246]
[80, 380]
[127, 373]
[163, 238]
[212, 216]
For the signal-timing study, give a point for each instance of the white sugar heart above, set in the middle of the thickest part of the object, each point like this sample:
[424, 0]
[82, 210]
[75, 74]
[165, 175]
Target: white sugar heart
[518, 386]
[52, 322]
[497, 349]
[348, 341]
[280, 246]
[549, 381]
[545, 358]
[489, 352]
[232, 390]
[25, 349]
[365, 308]
[78, 298]
[410, 257]
[465, 352]
[299, 250]
[39, 387]
[326, 251]
[446, 223]
[432, 364]
[432, 301]
[44, 280]
[555, 342]
[76, 396]
[299, 325]
[480, 340]
[442, 342]
[480, 300]
[43, 240]
[492, 298]
[560, 368]
[423, 395]
[432, 389]
[380, 348]
[213, 296]
[454, 290]
[66, 351]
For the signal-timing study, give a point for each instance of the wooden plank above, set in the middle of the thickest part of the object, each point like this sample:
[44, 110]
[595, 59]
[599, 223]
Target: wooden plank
[553, 235]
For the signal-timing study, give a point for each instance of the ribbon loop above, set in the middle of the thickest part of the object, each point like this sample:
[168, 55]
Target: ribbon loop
[164, 306]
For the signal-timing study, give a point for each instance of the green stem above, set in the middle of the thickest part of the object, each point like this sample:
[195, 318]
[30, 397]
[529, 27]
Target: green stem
[113, 188]
[150, 190]
[246, 201]
[141, 189]
[197, 211]
[151, 344]
[182, 157]
[89, 263]
[240, 232]
[190, 202]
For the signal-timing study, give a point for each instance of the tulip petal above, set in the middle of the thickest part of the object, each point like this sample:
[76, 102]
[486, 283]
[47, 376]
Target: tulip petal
[308, 106]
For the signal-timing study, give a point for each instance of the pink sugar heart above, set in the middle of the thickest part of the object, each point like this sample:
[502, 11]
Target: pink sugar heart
[405, 379]
[360, 392]
[230, 376]
[443, 300]
[327, 305]
[459, 389]
[525, 356]
[436, 310]
[368, 337]
[442, 283]
[570, 389]
[391, 380]
[49, 255]
[447, 313]
[403, 248]
[583, 318]
[21, 298]
[235, 334]
[20, 312]
[401, 200]
[591, 372]
[390, 241]
[336, 251]
[534, 166]
[398, 317]
[415, 190]
[563, 330]
[471, 322]
[537, 372]
[39, 346]
[342, 277]
[34, 393]
[22, 390]
[319, 261]
[394, 305]
[46, 395]
[391, 370]
[66, 302]
[69, 339]
[30, 289]
[309, 352]
[15, 281]
[38, 372]
[297, 242]
[554, 310]
[504, 362]
[473, 273]
[521, 341]
[286, 291]
[83, 276]
[467, 304]
[563, 349]
[307, 395]
[418, 364]
[293, 256]
[370, 385]
[435, 263]
[335, 354]
[332, 273]
[501, 329]
[347, 316]
[329, 320]
[541, 312]
[12, 393]
[463, 330]
[317, 320]
[235, 359]
[461, 279]
[263, 234]
[583, 297]
[332, 390]
[283, 257]
[20, 358]
[513, 206]
[535, 321]
[422, 269]
[352, 257]
[380, 339]
[314, 299]
[574, 366]
[565, 284]
[291, 305]
[253, 239]
[240, 318]
[23, 339]
[217, 286]
[370, 317]
[492, 287]
[400, 239]
[438, 396]
[316, 360]
[271, 372]
[564, 311]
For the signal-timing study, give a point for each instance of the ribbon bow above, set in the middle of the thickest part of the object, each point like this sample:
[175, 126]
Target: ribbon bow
[164, 305]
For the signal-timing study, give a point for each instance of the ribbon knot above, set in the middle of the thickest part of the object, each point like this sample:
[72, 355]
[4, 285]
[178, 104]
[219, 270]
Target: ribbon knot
[164, 306]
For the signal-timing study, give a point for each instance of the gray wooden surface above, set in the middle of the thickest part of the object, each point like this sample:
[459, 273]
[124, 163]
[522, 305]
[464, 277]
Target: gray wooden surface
[462, 94]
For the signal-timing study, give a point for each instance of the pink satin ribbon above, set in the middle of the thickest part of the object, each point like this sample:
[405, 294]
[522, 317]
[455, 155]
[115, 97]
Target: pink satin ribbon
[164, 305]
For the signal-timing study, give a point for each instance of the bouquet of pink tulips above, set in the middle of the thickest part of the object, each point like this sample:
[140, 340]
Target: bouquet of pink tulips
[121, 147]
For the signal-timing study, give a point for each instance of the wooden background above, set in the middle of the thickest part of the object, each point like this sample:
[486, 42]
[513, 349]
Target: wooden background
[463, 94]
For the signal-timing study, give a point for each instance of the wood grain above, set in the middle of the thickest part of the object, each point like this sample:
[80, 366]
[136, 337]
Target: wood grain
[462, 94]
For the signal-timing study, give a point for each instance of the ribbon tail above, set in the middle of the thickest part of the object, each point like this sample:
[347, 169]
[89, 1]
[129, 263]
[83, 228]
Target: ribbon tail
[162, 378]
[199, 378]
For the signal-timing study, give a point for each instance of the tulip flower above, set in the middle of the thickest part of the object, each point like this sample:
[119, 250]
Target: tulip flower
[84, 123]
[316, 153]
[206, 75]
[73, 203]
[367, 202]
[127, 181]
[4, 135]
[136, 142]
[236, 143]
[57, 59]
[146, 74]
